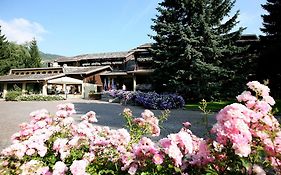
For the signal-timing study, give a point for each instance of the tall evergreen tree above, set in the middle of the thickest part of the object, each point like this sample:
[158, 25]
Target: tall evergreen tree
[4, 51]
[269, 67]
[35, 60]
[193, 46]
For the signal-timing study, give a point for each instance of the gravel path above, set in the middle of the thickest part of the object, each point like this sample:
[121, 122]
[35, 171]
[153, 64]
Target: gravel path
[14, 113]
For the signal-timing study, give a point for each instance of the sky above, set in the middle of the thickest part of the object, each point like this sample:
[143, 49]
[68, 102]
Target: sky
[74, 27]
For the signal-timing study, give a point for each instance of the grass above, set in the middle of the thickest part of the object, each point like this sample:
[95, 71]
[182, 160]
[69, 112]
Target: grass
[216, 106]
[212, 106]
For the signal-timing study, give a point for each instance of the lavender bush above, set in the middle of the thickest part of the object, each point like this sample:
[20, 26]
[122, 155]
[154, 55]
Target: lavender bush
[150, 100]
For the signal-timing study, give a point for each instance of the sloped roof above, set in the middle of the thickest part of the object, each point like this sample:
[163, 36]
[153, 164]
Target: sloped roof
[84, 70]
[94, 56]
[29, 77]
[46, 76]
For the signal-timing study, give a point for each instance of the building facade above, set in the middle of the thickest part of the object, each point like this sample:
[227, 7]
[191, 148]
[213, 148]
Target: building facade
[131, 68]
[67, 80]
[79, 75]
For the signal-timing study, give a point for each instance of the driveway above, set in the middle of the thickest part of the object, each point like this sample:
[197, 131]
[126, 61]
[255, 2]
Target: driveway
[14, 113]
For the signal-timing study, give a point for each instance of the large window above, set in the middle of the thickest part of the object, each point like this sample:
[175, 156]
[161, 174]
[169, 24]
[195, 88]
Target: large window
[34, 88]
[14, 86]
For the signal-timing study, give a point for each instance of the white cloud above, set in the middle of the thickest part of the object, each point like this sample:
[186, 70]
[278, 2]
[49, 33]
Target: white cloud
[21, 30]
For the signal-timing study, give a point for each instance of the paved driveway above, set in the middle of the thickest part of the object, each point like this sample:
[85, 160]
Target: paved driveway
[14, 113]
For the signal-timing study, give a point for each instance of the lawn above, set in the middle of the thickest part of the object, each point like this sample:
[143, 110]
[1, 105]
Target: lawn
[216, 106]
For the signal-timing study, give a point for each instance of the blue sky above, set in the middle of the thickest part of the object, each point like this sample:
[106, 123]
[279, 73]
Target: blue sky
[73, 27]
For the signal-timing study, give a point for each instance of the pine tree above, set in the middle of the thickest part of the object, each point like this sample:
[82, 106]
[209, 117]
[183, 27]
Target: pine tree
[35, 60]
[272, 22]
[4, 51]
[269, 67]
[193, 47]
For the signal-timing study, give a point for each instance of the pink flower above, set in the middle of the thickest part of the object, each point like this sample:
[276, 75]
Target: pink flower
[123, 136]
[202, 154]
[78, 167]
[165, 142]
[155, 130]
[59, 168]
[62, 114]
[139, 121]
[128, 112]
[174, 152]
[257, 170]
[243, 150]
[246, 96]
[133, 169]
[60, 144]
[90, 117]
[186, 124]
[30, 152]
[68, 107]
[147, 114]
[268, 99]
[259, 88]
[158, 159]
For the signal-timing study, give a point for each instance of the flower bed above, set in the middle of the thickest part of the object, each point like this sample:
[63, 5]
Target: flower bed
[149, 100]
[246, 140]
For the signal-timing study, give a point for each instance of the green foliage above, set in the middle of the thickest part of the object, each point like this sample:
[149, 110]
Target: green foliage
[39, 98]
[35, 59]
[13, 55]
[213, 106]
[194, 47]
[12, 95]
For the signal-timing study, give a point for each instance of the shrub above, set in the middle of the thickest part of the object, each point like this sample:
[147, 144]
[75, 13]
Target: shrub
[150, 100]
[39, 98]
[12, 95]
[246, 140]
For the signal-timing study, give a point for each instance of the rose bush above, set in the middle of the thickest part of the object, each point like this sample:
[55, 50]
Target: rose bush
[245, 140]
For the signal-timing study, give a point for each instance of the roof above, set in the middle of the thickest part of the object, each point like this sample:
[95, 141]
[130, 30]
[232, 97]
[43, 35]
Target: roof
[94, 56]
[65, 80]
[29, 77]
[84, 70]
[43, 77]
[114, 73]
[141, 71]
[143, 47]
[37, 68]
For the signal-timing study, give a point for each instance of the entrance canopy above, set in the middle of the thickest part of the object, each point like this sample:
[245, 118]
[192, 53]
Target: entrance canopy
[65, 80]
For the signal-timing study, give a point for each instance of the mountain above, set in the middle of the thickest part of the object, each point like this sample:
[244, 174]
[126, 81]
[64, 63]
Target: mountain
[48, 57]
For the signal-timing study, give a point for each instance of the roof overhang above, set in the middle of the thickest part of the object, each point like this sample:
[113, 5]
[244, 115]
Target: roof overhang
[19, 78]
[141, 71]
[90, 71]
[114, 73]
[65, 80]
